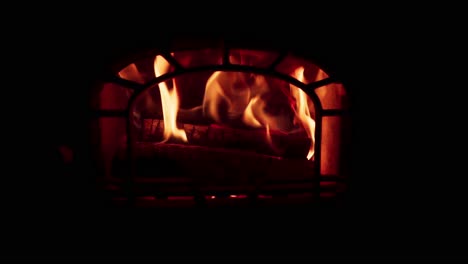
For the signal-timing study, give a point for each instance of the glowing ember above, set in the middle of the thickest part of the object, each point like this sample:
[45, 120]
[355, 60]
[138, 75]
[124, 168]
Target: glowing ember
[238, 196]
[170, 103]
[302, 110]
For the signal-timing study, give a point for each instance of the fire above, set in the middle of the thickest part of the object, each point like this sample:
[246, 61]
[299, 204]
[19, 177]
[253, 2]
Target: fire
[229, 94]
[255, 116]
[233, 97]
[302, 110]
[249, 116]
[241, 99]
[270, 139]
[170, 103]
[214, 96]
[132, 73]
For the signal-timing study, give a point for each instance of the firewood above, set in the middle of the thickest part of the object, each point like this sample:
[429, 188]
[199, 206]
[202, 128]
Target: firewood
[211, 165]
[293, 145]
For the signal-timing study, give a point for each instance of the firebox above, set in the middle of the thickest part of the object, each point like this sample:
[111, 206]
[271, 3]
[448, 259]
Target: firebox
[215, 124]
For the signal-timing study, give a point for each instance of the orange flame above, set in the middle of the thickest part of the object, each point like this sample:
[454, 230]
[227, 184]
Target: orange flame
[302, 110]
[269, 139]
[214, 96]
[256, 108]
[243, 96]
[255, 115]
[231, 96]
[170, 103]
[249, 117]
[132, 73]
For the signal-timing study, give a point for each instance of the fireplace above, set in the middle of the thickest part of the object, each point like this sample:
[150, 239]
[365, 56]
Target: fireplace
[214, 123]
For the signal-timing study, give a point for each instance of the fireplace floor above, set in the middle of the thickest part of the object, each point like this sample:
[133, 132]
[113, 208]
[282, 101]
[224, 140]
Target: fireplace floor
[160, 193]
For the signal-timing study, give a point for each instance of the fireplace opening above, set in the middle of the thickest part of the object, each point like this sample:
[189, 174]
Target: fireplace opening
[220, 126]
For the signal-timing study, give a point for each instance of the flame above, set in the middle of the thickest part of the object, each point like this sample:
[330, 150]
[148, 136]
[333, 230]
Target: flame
[238, 98]
[302, 110]
[170, 103]
[255, 115]
[243, 96]
[132, 73]
[256, 105]
[249, 117]
[231, 97]
[268, 136]
[214, 96]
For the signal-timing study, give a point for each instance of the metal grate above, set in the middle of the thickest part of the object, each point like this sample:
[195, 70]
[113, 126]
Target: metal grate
[131, 190]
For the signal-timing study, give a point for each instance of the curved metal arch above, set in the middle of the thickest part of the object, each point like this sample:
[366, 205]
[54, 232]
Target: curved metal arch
[238, 68]
[307, 88]
[226, 66]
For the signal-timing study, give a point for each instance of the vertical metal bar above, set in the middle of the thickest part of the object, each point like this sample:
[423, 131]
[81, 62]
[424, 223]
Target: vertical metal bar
[323, 82]
[128, 181]
[318, 141]
[278, 60]
[318, 154]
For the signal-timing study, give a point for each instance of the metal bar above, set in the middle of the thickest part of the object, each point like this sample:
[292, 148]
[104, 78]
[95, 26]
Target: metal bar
[251, 69]
[172, 61]
[230, 67]
[172, 181]
[318, 84]
[201, 194]
[129, 180]
[125, 83]
[318, 151]
[244, 68]
[278, 60]
[129, 177]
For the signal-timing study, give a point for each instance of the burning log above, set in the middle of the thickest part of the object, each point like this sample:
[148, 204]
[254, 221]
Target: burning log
[218, 166]
[275, 143]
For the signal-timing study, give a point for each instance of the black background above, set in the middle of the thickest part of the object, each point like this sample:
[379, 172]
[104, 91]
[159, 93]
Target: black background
[407, 184]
